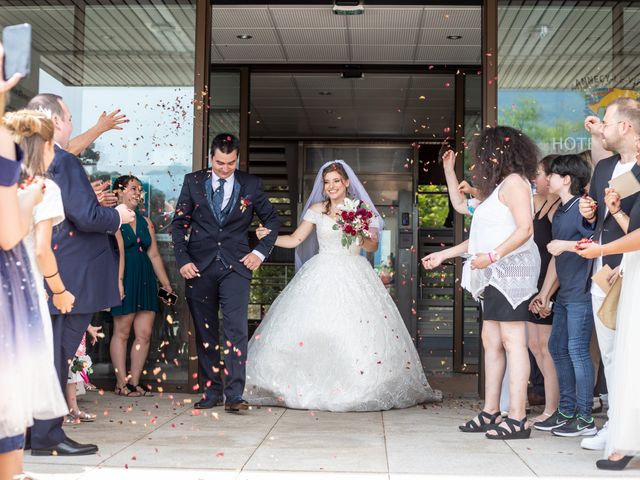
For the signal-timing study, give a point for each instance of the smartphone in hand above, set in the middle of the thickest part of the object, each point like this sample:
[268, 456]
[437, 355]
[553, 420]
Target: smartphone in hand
[16, 40]
[166, 297]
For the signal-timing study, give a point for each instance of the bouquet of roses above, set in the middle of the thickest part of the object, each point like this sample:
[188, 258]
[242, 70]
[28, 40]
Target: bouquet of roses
[81, 364]
[353, 222]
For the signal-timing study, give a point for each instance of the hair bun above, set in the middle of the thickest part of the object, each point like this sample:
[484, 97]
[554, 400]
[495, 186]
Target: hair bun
[26, 123]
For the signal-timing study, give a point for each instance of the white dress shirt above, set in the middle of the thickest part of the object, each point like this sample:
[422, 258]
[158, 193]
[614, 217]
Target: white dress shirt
[228, 188]
[228, 191]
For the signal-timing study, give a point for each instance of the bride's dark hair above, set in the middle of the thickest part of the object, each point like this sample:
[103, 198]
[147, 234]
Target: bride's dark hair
[339, 169]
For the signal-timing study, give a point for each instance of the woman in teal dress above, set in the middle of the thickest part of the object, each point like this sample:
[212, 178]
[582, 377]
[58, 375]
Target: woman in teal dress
[140, 268]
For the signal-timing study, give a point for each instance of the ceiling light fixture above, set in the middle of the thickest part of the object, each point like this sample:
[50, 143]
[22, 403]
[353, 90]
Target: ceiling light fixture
[454, 37]
[347, 7]
[540, 31]
[324, 93]
[161, 27]
[244, 36]
[352, 74]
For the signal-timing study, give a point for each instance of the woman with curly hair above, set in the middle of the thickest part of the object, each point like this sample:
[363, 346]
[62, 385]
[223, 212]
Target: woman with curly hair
[502, 271]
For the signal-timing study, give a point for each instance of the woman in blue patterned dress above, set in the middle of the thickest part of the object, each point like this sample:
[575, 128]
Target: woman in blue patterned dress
[22, 336]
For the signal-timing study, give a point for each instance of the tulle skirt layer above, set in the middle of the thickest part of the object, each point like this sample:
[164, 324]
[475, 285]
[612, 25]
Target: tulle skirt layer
[29, 385]
[334, 340]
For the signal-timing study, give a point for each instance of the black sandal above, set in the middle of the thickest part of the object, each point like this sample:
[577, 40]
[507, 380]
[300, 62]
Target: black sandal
[483, 426]
[510, 433]
[146, 390]
[127, 390]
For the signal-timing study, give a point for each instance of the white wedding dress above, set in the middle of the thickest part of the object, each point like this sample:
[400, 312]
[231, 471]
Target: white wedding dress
[624, 387]
[334, 340]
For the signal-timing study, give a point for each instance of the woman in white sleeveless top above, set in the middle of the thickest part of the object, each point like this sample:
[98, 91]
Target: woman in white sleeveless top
[502, 271]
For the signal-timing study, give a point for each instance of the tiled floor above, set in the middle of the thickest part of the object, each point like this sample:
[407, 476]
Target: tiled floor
[162, 437]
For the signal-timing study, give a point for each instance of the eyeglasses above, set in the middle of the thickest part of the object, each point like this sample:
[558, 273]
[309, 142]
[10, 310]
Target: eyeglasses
[605, 124]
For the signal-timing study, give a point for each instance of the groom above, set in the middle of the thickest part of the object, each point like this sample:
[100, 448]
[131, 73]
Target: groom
[210, 227]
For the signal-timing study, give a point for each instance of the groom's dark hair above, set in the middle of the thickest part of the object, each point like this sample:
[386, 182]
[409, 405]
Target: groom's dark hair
[226, 143]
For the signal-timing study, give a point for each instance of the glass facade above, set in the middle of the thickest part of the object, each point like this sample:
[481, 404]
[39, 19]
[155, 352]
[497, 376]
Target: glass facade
[138, 59]
[561, 61]
[557, 62]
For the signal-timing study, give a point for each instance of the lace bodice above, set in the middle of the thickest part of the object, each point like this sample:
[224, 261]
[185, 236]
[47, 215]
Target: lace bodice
[330, 240]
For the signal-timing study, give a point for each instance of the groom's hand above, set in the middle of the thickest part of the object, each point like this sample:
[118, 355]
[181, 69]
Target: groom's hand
[189, 271]
[251, 261]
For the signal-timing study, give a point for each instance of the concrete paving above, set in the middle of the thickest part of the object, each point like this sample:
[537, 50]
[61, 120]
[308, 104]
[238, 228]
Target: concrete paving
[162, 437]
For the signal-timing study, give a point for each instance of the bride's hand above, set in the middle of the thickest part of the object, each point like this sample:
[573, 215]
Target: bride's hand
[262, 232]
[433, 260]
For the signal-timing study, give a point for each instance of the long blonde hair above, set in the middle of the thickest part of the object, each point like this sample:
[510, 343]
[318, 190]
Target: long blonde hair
[31, 130]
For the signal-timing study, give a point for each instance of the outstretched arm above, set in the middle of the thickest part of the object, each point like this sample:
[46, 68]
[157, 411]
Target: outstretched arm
[435, 259]
[106, 122]
[289, 241]
[458, 200]
[15, 219]
[628, 243]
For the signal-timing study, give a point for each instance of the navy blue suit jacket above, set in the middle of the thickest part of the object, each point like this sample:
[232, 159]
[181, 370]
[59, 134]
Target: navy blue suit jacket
[208, 239]
[84, 252]
[606, 223]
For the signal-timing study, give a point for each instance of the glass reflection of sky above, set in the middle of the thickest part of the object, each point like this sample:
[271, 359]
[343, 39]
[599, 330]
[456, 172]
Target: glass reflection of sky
[157, 143]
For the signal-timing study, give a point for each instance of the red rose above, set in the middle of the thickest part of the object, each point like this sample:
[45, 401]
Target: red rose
[345, 215]
[352, 216]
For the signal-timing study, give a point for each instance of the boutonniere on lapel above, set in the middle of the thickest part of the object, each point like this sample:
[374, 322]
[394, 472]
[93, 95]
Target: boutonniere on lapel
[244, 203]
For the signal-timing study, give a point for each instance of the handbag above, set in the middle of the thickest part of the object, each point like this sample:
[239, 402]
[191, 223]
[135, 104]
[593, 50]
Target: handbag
[609, 308]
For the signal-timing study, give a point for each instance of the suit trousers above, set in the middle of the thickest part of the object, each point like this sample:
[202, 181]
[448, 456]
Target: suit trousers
[67, 334]
[220, 288]
[606, 343]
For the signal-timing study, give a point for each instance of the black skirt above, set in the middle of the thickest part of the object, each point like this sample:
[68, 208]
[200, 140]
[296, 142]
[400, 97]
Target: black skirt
[533, 318]
[496, 307]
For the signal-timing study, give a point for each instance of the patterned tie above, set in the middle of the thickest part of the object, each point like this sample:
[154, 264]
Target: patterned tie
[218, 197]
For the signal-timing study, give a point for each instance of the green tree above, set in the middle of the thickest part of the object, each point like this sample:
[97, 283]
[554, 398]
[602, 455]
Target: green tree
[90, 156]
[526, 116]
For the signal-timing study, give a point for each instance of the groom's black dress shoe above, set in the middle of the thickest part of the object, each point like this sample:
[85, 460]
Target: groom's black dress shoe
[236, 407]
[208, 402]
[67, 447]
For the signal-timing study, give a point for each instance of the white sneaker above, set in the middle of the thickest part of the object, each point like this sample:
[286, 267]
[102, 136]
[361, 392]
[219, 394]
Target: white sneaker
[599, 441]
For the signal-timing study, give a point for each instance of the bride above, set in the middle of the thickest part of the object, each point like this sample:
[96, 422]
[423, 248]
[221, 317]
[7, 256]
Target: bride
[333, 339]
